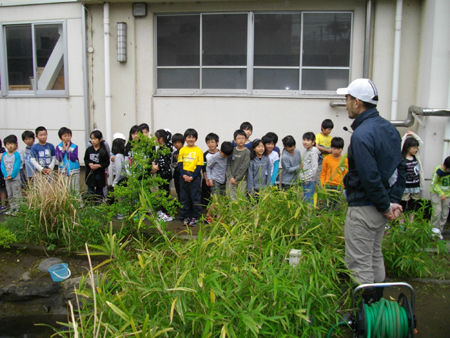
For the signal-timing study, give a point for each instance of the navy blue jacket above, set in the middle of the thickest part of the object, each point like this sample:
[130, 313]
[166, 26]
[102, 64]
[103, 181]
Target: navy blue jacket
[374, 155]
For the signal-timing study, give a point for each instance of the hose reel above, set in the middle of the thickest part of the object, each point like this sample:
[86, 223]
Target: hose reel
[384, 318]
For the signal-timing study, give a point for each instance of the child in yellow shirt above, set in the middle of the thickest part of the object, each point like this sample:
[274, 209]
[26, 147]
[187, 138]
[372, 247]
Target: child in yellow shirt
[190, 164]
[323, 139]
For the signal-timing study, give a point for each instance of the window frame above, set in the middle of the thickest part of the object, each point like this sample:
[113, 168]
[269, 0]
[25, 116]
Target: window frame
[34, 93]
[249, 91]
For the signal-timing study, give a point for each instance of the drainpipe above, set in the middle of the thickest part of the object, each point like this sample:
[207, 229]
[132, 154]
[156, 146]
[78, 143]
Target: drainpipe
[396, 70]
[87, 126]
[445, 151]
[367, 39]
[107, 72]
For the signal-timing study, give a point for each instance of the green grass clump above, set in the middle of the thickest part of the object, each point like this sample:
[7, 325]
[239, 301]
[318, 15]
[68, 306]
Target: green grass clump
[232, 280]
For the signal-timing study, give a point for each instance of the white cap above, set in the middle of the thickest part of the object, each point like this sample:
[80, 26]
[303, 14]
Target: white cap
[362, 89]
[119, 135]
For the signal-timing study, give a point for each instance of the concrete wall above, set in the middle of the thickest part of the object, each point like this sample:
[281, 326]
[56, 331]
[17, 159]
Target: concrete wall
[133, 86]
[433, 81]
[19, 114]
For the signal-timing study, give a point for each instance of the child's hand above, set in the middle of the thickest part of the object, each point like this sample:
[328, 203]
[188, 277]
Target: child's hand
[233, 181]
[155, 167]
[443, 198]
[112, 158]
[8, 177]
[209, 183]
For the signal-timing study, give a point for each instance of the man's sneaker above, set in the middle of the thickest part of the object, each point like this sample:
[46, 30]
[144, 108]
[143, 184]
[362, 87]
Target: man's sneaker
[119, 216]
[193, 222]
[186, 221]
[437, 233]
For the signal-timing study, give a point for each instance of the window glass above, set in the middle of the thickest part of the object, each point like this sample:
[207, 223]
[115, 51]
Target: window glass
[324, 79]
[281, 79]
[277, 40]
[19, 57]
[178, 78]
[49, 44]
[178, 40]
[224, 40]
[326, 39]
[228, 78]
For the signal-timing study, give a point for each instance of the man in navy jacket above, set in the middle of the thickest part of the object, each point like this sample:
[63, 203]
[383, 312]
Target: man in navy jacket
[374, 183]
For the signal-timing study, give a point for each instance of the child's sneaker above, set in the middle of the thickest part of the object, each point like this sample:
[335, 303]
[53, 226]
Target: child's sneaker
[193, 222]
[186, 221]
[119, 216]
[2, 210]
[209, 219]
[164, 217]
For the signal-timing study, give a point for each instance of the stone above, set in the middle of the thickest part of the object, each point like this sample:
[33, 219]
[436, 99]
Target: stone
[26, 277]
[46, 263]
[26, 291]
[69, 284]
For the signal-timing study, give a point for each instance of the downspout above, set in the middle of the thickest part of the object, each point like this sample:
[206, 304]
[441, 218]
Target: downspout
[87, 124]
[367, 39]
[447, 130]
[107, 62]
[396, 70]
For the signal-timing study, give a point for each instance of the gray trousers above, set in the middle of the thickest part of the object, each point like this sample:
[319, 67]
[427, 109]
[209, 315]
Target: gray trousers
[364, 229]
[13, 188]
[440, 211]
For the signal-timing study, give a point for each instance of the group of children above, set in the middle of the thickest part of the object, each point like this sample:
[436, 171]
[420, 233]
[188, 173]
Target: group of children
[243, 166]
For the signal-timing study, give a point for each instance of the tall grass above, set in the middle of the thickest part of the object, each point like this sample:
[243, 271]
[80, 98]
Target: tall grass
[52, 215]
[232, 280]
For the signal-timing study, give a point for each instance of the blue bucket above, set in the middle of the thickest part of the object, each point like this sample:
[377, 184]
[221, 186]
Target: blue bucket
[59, 272]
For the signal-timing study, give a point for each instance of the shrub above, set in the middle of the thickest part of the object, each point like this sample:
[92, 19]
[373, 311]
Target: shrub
[6, 237]
[52, 216]
[127, 197]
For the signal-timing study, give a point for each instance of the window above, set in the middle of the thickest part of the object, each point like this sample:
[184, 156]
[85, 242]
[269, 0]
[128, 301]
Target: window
[33, 59]
[253, 53]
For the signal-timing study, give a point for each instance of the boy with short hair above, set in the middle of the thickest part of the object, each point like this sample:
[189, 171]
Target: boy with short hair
[323, 139]
[10, 167]
[217, 168]
[237, 165]
[333, 169]
[309, 166]
[190, 164]
[28, 139]
[212, 141]
[440, 191]
[290, 160]
[43, 153]
[178, 143]
[275, 141]
[274, 158]
[248, 129]
[67, 155]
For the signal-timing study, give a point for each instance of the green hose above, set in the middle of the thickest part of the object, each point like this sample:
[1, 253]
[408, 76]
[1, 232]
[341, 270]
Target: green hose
[384, 319]
[335, 326]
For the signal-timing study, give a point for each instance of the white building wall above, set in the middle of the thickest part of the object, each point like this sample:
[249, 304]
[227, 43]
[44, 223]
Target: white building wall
[134, 101]
[433, 81]
[27, 113]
